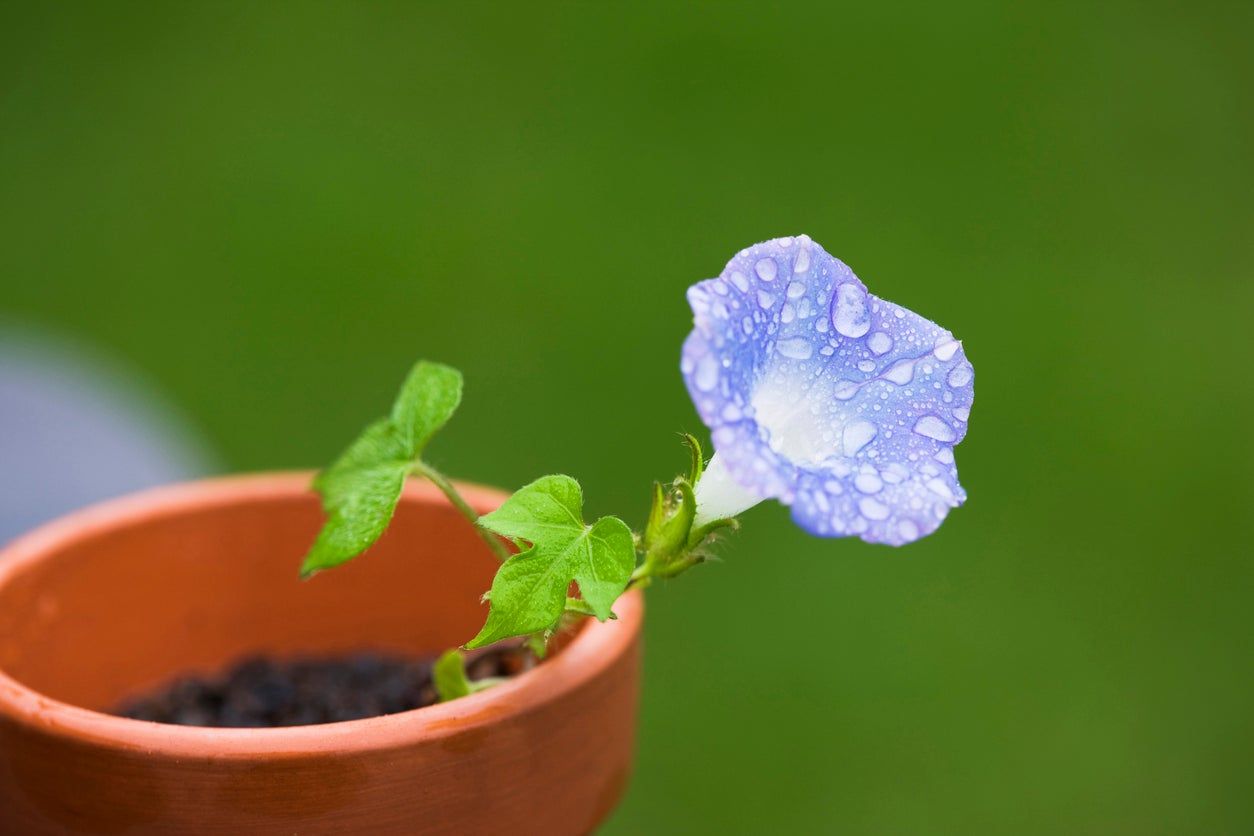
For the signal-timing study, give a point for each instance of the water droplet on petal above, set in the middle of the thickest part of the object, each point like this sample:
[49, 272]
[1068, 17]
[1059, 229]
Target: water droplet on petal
[796, 348]
[895, 473]
[788, 313]
[868, 483]
[849, 311]
[740, 281]
[707, 373]
[901, 373]
[945, 455]
[765, 300]
[945, 349]
[766, 269]
[867, 366]
[960, 376]
[962, 413]
[908, 530]
[856, 436]
[938, 487]
[796, 289]
[872, 509]
[802, 263]
[930, 426]
[879, 342]
[845, 389]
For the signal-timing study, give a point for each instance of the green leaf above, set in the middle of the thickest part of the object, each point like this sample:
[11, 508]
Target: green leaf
[578, 606]
[361, 489]
[449, 676]
[429, 397]
[539, 644]
[528, 594]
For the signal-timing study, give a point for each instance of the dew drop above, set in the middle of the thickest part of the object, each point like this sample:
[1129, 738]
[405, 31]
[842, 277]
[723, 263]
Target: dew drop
[707, 373]
[902, 373]
[908, 530]
[895, 473]
[766, 269]
[930, 426]
[796, 289]
[944, 455]
[765, 300]
[849, 312]
[845, 390]
[945, 349]
[856, 436]
[788, 313]
[938, 487]
[740, 281]
[962, 413]
[960, 376]
[879, 342]
[796, 348]
[802, 263]
[867, 366]
[872, 509]
[868, 483]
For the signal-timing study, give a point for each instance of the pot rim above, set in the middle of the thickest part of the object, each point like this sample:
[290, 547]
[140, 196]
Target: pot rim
[588, 654]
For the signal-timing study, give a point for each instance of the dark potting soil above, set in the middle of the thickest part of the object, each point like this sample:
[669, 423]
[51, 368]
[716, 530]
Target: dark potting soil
[269, 693]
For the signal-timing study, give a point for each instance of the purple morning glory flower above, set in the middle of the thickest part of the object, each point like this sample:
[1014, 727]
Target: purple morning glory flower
[831, 400]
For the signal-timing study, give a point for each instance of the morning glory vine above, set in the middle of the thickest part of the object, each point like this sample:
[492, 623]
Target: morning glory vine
[818, 394]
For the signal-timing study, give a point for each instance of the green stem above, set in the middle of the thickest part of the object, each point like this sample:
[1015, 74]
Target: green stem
[446, 487]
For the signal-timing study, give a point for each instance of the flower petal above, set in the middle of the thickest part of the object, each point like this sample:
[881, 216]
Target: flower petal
[826, 397]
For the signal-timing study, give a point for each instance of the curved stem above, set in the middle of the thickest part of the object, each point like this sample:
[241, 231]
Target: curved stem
[446, 487]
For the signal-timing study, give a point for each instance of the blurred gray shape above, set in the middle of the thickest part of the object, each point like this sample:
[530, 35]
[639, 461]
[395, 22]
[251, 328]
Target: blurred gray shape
[76, 428]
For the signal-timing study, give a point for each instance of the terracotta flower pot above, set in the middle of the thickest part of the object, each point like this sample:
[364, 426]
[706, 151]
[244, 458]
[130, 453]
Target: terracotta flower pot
[123, 596]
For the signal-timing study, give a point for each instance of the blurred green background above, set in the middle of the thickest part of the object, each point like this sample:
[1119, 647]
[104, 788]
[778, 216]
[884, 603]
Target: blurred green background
[270, 210]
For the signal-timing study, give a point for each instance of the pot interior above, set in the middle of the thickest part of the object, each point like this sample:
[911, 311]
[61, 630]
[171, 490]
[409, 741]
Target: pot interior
[196, 580]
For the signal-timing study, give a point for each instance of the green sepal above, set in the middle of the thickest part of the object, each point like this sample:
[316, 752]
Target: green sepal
[698, 535]
[657, 515]
[677, 526]
[670, 526]
[697, 466]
